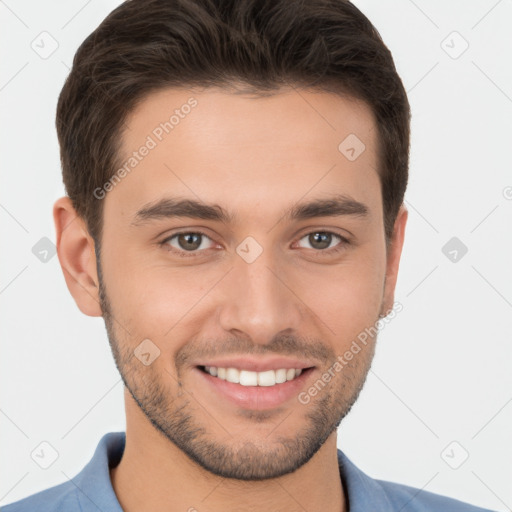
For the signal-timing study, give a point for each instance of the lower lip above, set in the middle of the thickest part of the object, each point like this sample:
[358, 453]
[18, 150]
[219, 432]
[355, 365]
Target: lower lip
[257, 397]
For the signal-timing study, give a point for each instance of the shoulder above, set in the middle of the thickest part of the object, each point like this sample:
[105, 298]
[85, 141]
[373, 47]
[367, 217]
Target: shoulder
[88, 491]
[367, 493]
[59, 498]
[411, 499]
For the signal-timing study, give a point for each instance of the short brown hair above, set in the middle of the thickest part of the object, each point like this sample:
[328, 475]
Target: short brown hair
[147, 45]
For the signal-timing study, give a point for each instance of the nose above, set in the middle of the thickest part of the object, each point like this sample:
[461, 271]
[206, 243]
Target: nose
[258, 300]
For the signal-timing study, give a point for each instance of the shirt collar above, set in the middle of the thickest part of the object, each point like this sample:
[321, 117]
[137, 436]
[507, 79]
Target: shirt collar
[95, 491]
[94, 487]
[361, 492]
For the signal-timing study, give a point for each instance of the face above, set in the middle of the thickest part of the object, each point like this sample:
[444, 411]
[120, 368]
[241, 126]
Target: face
[243, 237]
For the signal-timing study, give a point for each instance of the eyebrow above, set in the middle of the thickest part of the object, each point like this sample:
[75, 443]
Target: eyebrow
[335, 206]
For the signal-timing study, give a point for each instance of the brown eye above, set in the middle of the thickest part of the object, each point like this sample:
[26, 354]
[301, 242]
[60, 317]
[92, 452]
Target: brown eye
[190, 241]
[321, 240]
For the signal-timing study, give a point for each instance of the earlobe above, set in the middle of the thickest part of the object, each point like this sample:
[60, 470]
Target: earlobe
[393, 260]
[76, 252]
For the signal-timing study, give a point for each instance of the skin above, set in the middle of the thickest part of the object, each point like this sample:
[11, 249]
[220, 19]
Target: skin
[255, 157]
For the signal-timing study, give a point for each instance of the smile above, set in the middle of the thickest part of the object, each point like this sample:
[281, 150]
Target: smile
[250, 378]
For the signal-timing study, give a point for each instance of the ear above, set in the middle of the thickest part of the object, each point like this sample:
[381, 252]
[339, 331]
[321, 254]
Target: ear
[394, 252]
[76, 251]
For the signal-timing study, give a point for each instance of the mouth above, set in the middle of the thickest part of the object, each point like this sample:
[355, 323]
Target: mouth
[266, 378]
[253, 390]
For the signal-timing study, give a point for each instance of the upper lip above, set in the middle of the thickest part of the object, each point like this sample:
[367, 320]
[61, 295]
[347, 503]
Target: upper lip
[258, 365]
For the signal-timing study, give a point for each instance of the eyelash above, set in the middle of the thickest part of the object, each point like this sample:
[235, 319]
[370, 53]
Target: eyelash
[186, 254]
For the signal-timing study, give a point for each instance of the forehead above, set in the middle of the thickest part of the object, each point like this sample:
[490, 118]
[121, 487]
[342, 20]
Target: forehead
[247, 150]
[222, 116]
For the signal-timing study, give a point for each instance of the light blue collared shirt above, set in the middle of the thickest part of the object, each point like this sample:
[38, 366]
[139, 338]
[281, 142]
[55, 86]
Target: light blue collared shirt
[91, 490]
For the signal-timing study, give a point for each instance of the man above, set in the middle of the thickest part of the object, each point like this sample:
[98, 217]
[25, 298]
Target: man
[235, 173]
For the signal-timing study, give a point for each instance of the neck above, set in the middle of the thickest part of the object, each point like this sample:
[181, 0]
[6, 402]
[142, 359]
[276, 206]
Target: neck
[154, 474]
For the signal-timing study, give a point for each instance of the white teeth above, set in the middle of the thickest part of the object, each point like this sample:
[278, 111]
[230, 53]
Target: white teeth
[281, 376]
[267, 378]
[232, 375]
[249, 378]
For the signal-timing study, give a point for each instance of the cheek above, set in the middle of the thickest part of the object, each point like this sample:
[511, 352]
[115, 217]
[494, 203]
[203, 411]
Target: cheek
[156, 300]
[347, 298]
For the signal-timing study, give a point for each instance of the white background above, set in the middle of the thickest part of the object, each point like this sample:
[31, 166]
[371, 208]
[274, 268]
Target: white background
[442, 368]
